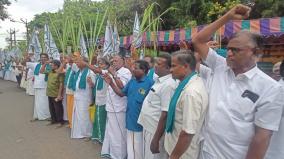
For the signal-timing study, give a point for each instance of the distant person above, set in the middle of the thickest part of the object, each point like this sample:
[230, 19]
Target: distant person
[81, 124]
[276, 71]
[151, 62]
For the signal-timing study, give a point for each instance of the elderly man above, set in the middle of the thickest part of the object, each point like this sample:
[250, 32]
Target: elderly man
[41, 108]
[155, 107]
[276, 145]
[81, 123]
[187, 108]
[115, 134]
[245, 104]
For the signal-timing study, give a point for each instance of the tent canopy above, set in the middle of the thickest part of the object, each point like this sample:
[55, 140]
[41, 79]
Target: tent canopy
[265, 26]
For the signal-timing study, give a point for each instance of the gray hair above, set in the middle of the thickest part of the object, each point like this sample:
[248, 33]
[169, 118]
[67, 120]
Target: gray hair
[255, 38]
[185, 57]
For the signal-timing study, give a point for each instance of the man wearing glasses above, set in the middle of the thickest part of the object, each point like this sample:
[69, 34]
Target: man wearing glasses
[245, 104]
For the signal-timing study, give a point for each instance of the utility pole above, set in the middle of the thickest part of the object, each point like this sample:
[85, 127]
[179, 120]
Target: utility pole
[15, 41]
[10, 40]
[27, 28]
[25, 22]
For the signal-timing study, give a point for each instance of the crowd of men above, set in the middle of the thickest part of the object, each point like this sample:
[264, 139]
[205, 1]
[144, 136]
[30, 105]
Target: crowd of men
[181, 105]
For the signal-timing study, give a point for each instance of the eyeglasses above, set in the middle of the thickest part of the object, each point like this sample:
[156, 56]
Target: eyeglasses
[236, 50]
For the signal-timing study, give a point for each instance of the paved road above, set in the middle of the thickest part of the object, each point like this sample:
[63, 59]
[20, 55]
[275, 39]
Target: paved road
[21, 139]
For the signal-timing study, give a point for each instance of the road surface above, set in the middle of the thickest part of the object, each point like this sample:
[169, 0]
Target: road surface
[22, 139]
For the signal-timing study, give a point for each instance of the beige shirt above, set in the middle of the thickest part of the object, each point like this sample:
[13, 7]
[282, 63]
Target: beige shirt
[189, 117]
[156, 101]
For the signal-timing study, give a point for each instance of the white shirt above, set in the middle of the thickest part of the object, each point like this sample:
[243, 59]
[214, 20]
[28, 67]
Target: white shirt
[276, 147]
[16, 71]
[189, 116]
[83, 94]
[156, 101]
[101, 95]
[206, 75]
[116, 103]
[39, 80]
[30, 74]
[233, 114]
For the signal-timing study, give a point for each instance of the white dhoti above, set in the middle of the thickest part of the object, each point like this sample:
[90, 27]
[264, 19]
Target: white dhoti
[23, 83]
[41, 108]
[135, 145]
[7, 75]
[30, 87]
[81, 123]
[147, 139]
[114, 145]
[64, 107]
[13, 77]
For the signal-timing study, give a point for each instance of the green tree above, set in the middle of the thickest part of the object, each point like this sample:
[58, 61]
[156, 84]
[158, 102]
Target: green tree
[188, 13]
[3, 12]
[22, 45]
[75, 16]
[267, 8]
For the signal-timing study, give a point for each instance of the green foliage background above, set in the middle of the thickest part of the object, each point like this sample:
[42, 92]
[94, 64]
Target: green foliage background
[187, 13]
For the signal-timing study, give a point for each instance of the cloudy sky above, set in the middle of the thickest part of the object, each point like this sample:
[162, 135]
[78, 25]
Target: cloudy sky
[25, 9]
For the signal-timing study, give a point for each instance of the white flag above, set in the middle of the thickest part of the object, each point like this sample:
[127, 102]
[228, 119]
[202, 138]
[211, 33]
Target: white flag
[108, 44]
[116, 40]
[137, 38]
[84, 51]
[50, 46]
[34, 46]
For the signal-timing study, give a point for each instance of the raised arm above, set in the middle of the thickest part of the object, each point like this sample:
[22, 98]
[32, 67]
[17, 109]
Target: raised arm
[117, 80]
[115, 88]
[200, 40]
[42, 69]
[95, 69]
[62, 66]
